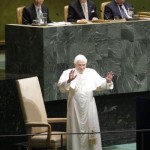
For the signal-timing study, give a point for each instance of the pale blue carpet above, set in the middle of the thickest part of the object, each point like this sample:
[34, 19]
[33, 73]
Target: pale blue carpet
[131, 146]
[2, 60]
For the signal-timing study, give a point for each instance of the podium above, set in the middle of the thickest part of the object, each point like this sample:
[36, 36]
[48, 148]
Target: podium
[46, 51]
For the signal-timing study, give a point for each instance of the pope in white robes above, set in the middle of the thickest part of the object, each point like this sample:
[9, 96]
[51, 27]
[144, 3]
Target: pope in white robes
[82, 117]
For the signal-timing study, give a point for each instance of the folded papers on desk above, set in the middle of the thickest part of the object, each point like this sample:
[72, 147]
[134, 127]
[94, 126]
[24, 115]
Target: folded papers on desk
[81, 22]
[144, 13]
[100, 21]
[59, 23]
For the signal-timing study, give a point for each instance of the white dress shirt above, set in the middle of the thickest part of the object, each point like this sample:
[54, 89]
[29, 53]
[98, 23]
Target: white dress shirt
[85, 10]
[123, 7]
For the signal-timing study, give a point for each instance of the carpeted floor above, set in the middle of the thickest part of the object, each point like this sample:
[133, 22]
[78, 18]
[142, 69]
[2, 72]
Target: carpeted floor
[2, 64]
[131, 146]
[2, 60]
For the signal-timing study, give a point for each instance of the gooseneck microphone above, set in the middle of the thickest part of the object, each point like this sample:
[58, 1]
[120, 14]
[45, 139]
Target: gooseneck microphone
[145, 9]
[61, 18]
[57, 14]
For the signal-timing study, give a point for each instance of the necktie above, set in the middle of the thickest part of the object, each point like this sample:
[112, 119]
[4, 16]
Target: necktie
[39, 13]
[123, 12]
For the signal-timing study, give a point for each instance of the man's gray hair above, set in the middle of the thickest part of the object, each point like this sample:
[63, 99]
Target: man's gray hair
[80, 58]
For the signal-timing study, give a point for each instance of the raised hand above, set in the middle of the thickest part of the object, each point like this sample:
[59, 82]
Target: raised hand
[109, 76]
[71, 76]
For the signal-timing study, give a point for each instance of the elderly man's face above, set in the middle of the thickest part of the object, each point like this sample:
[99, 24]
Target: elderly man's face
[83, 1]
[38, 2]
[120, 2]
[80, 66]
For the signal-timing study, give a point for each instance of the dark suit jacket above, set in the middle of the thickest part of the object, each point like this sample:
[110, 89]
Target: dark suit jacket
[75, 11]
[112, 10]
[29, 14]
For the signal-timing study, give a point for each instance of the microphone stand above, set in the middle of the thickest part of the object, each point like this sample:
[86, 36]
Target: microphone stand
[57, 14]
[145, 9]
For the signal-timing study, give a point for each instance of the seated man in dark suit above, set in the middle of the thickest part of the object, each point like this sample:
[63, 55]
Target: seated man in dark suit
[34, 11]
[118, 8]
[82, 10]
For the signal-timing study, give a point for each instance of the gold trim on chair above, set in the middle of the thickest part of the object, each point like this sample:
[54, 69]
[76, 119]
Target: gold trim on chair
[66, 12]
[102, 8]
[19, 14]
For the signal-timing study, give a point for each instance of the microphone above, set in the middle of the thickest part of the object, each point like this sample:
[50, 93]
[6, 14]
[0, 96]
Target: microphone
[145, 9]
[61, 18]
[57, 14]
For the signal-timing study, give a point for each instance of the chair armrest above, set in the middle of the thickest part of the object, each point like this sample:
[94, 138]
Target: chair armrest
[30, 125]
[57, 120]
[37, 124]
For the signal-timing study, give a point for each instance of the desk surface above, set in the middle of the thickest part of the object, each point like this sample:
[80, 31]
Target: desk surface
[62, 24]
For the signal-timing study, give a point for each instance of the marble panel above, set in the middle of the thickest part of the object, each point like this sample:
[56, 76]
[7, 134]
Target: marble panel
[122, 47]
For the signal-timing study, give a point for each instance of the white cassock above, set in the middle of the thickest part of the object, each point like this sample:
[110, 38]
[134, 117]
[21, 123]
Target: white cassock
[82, 114]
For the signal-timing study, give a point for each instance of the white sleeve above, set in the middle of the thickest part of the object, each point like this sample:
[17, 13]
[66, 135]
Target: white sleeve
[106, 86]
[62, 83]
[102, 83]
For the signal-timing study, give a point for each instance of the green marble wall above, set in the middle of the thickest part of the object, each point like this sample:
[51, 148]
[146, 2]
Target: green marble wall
[8, 10]
[122, 47]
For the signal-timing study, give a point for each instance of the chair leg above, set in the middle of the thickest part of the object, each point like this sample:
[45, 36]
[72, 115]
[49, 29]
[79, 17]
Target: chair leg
[29, 143]
[55, 148]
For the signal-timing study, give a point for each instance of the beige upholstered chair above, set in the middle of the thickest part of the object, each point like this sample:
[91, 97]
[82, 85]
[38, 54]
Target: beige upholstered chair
[102, 8]
[66, 12]
[2, 42]
[19, 14]
[37, 124]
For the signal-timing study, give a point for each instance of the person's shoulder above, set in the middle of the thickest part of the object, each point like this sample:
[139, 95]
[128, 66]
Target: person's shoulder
[112, 3]
[109, 5]
[128, 4]
[29, 6]
[45, 6]
[90, 70]
[91, 2]
[73, 3]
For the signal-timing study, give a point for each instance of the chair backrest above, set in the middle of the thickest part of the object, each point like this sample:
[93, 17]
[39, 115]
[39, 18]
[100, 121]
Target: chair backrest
[32, 103]
[102, 8]
[19, 14]
[66, 12]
